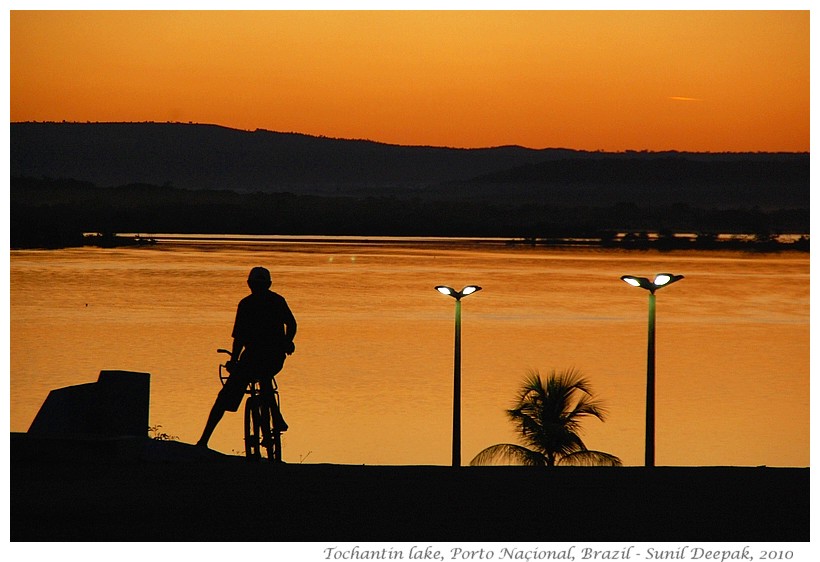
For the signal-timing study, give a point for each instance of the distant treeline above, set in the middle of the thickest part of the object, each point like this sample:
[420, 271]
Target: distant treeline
[56, 212]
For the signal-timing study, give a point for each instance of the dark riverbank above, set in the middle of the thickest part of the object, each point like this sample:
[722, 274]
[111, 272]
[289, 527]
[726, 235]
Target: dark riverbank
[52, 213]
[619, 241]
[148, 490]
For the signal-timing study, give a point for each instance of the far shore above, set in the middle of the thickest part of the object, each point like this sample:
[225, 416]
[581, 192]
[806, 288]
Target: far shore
[140, 489]
[640, 241]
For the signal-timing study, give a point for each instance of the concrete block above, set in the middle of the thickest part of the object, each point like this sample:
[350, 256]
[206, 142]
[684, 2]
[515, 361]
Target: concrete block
[117, 405]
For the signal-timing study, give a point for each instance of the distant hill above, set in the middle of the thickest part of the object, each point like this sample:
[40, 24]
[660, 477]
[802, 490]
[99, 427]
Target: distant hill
[744, 181]
[193, 156]
[70, 178]
[209, 157]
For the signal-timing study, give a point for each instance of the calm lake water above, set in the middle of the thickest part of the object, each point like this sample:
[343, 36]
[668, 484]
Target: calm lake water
[371, 379]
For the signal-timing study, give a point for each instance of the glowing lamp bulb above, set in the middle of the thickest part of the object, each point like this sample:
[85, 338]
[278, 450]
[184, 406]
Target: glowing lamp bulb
[662, 279]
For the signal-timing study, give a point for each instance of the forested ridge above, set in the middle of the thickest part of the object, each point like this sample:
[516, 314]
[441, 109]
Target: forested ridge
[50, 213]
[69, 178]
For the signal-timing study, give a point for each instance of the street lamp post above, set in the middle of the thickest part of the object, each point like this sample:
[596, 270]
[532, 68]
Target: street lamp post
[661, 280]
[458, 295]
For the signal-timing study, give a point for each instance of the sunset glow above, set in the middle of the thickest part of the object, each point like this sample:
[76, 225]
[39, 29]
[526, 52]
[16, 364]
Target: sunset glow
[594, 80]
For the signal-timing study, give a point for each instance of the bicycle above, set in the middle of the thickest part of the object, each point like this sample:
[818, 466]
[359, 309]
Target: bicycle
[261, 435]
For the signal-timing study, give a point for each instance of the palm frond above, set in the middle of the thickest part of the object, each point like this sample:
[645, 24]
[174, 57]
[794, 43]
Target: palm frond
[508, 453]
[589, 458]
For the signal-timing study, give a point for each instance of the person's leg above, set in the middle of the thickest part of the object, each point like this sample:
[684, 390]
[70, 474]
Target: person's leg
[229, 398]
[278, 422]
[213, 420]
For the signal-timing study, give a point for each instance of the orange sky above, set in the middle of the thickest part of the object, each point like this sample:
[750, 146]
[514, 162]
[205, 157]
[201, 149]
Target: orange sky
[594, 80]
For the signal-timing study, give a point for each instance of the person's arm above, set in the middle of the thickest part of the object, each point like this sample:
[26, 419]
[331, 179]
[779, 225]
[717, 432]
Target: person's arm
[238, 342]
[290, 328]
[236, 349]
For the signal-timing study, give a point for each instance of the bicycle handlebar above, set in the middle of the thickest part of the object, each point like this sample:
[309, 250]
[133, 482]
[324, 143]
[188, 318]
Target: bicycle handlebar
[222, 377]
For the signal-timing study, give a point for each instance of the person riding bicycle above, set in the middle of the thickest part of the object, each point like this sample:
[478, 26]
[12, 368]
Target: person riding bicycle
[263, 334]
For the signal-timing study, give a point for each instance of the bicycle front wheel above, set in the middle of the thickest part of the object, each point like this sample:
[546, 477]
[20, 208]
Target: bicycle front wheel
[271, 443]
[276, 433]
[274, 443]
[252, 437]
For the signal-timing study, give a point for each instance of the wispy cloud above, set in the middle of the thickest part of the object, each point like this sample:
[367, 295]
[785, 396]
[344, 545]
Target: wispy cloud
[682, 98]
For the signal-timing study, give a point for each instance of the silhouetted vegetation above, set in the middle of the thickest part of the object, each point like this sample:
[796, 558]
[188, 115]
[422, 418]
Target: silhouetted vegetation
[548, 413]
[49, 213]
[155, 432]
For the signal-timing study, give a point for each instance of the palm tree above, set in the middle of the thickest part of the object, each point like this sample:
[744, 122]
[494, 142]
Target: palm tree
[548, 414]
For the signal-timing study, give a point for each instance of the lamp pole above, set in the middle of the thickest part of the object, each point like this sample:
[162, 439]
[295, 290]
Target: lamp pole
[649, 455]
[661, 280]
[458, 295]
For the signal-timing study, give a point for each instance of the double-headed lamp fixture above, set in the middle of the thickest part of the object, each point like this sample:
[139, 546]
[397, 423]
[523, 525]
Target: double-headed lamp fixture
[661, 280]
[458, 295]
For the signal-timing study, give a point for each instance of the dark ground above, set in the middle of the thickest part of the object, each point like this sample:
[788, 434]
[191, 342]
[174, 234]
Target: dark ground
[148, 490]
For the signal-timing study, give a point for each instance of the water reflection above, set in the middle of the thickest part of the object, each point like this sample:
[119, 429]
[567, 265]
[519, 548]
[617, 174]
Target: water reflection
[372, 382]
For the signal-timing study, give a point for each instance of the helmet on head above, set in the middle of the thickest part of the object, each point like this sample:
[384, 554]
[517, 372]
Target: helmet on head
[259, 276]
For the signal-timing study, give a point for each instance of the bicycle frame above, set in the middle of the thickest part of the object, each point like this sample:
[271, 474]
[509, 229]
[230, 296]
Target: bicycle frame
[258, 419]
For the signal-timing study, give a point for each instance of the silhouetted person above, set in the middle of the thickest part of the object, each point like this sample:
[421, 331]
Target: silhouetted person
[262, 337]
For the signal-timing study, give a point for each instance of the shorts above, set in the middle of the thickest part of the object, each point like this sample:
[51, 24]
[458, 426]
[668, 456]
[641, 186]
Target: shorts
[230, 397]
